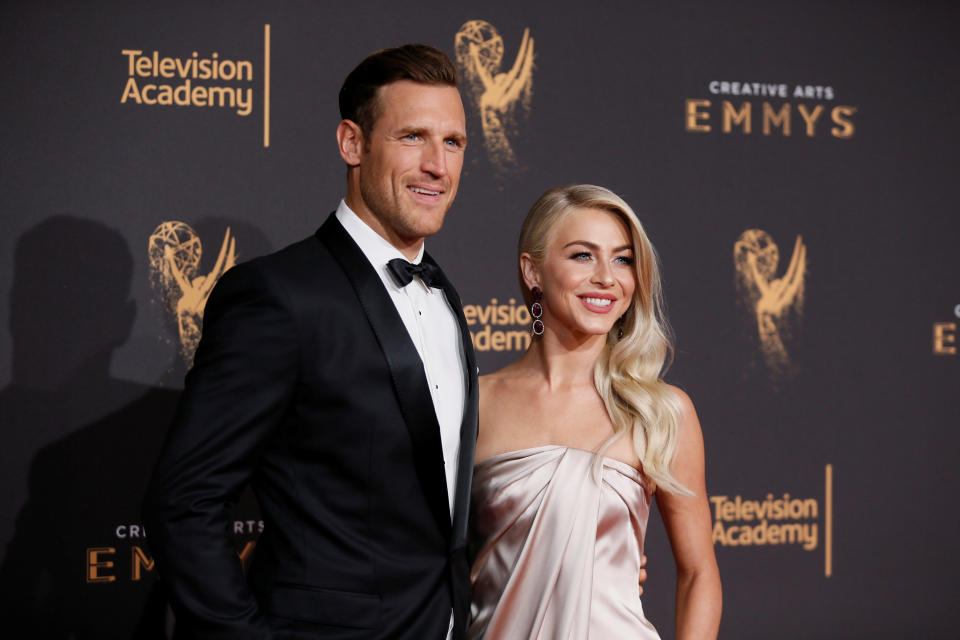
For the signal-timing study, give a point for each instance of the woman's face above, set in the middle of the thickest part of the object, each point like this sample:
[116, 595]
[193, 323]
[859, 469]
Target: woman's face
[587, 275]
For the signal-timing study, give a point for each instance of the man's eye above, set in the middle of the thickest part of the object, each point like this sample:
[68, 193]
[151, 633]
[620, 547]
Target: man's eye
[412, 137]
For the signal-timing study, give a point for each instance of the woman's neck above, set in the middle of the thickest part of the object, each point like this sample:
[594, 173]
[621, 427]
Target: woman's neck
[564, 360]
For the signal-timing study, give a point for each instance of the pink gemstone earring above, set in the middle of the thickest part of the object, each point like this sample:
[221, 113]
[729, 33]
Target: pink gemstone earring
[536, 310]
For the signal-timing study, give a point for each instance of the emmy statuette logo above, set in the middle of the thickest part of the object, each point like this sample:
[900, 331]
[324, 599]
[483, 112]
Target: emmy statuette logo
[498, 95]
[175, 250]
[775, 303]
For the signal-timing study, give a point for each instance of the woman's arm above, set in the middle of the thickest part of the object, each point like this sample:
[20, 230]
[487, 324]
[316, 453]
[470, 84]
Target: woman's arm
[687, 521]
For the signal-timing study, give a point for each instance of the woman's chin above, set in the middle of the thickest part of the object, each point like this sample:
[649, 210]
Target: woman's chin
[586, 331]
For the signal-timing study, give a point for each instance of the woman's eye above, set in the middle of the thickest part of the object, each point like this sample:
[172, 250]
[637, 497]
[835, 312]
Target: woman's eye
[581, 255]
[624, 259]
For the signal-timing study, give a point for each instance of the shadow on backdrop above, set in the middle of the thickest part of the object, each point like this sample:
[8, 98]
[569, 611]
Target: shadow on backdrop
[91, 442]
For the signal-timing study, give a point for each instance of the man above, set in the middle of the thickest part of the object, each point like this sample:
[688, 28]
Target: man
[339, 381]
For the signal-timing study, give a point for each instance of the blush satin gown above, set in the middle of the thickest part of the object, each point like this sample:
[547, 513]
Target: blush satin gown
[557, 553]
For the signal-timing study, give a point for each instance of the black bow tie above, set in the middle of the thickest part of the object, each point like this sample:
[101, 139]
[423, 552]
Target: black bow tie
[404, 271]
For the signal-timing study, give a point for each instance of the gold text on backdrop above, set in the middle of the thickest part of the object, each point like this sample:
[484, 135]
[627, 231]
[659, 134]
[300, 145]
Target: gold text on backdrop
[772, 521]
[502, 327]
[777, 520]
[701, 114]
[104, 565]
[196, 80]
[152, 70]
[945, 336]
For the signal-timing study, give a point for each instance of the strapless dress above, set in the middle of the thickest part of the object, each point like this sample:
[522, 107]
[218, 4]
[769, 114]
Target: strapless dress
[556, 542]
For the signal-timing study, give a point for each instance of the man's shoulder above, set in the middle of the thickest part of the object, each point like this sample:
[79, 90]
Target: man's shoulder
[303, 266]
[307, 249]
[307, 252]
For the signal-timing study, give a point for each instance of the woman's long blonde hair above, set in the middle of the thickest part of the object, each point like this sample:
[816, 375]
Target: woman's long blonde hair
[627, 373]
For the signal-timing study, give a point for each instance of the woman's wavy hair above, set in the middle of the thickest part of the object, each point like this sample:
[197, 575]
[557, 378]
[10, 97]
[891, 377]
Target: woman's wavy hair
[628, 372]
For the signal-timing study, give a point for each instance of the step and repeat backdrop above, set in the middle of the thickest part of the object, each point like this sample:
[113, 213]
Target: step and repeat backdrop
[795, 164]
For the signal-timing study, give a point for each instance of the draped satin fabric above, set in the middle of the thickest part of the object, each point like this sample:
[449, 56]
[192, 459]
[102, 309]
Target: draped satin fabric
[557, 553]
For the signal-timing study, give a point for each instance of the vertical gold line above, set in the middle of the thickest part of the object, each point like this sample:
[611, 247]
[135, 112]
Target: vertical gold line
[828, 523]
[266, 85]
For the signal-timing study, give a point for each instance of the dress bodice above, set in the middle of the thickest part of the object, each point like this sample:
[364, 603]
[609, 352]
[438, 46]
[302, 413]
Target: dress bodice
[557, 534]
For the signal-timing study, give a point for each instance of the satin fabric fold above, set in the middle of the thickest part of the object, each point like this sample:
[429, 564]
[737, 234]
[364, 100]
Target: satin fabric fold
[557, 552]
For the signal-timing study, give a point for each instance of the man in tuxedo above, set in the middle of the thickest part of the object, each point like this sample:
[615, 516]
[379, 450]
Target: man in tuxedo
[337, 378]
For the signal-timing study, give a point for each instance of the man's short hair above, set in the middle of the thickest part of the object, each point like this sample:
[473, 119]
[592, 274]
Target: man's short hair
[417, 62]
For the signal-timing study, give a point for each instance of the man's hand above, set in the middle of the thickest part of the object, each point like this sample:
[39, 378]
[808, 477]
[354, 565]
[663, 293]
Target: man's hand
[643, 573]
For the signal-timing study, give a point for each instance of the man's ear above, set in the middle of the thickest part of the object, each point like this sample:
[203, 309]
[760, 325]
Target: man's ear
[530, 271]
[350, 142]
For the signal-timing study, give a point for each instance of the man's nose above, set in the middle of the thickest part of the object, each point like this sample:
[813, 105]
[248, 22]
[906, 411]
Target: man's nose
[435, 159]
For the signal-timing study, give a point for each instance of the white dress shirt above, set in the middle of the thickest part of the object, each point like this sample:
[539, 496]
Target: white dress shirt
[435, 333]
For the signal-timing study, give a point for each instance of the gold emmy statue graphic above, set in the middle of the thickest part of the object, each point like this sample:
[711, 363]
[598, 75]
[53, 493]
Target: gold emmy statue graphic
[774, 301]
[175, 251]
[497, 95]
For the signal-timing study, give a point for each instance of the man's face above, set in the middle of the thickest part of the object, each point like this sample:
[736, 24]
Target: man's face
[410, 165]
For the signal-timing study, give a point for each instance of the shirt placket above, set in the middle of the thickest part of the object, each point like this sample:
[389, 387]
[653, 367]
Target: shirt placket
[418, 302]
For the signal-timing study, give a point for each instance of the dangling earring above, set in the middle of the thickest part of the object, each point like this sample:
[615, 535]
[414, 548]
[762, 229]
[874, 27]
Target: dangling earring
[536, 310]
[620, 329]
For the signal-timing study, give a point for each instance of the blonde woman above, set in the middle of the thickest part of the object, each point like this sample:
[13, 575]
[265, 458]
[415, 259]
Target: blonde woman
[579, 436]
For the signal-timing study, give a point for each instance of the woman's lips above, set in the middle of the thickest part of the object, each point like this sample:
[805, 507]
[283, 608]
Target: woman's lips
[598, 304]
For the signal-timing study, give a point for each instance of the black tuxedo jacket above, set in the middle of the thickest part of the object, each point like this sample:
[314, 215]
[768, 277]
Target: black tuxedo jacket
[307, 386]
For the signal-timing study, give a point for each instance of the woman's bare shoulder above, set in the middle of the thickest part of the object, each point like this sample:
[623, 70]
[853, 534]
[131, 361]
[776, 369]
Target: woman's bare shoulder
[690, 432]
[687, 410]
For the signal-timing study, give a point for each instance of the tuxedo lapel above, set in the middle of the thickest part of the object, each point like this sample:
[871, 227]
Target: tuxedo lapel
[468, 428]
[403, 361]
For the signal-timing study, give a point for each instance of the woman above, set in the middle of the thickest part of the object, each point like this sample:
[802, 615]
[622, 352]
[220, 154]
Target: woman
[578, 435]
